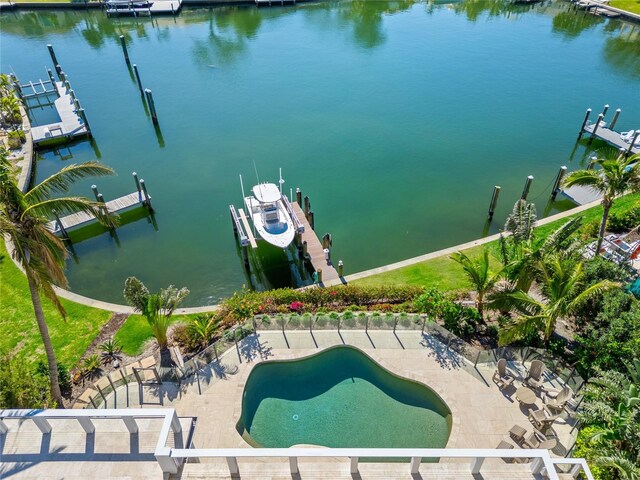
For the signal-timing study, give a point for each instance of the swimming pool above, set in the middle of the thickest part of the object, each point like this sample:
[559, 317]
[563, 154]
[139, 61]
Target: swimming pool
[340, 398]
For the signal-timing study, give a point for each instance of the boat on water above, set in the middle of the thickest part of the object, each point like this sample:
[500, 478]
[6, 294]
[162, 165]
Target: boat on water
[272, 215]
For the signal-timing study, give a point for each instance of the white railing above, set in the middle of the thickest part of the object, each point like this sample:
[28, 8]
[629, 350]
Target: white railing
[170, 458]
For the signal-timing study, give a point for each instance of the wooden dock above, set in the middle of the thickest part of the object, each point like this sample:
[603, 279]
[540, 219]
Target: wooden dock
[70, 124]
[314, 248]
[82, 218]
[611, 137]
[601, 8]
[581, 195]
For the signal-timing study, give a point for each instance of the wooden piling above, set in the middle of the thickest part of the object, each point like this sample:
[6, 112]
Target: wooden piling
[100, 198]
[95, 191]
[494, 201]
[245, 257]
[311, 219]
[595, 128]
[61, 74]
[52, 79]
[319, 272]
[135, 179]
[307, 206]
[584, 123]
[527, 186]
[83, 116]
[53, 55]
[605, 110]
[147, 198]
[135, 69]
[152, 106]
[558, 182]
[340, 268]
[299, 197]
[304, 249]
[123, 42]
[633, 142]
[592, 163]
[60, 225]
[614, 119]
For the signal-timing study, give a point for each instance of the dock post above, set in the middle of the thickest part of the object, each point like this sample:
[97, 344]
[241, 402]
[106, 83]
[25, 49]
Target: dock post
[592, 162]
[135, 69]
[135, 179]
[61, 74]
[307, 206]
[147, 198]
[100, 198]
[311, 221]
[494, 201]
[633, 142]
[83, 116]
[298, 196]
[52, 79]
[17, 88]
[319, 272]
[595, 128]
[558, 182]
[67, 86]
[53, 55]
[304, 249]
[584, 123]
[605, 110]
[340, 268]
[527, 186]
[245, 257]
[123, 42]
[152, 106]
[95, 191]
[614, 119]
[60, 225]
[72, 94]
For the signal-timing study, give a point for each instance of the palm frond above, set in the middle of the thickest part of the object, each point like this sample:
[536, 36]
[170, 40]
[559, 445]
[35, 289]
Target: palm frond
[523, 326]
[585, 178]
[60, 181]
[554, 241]
[593, 291]
[627, 469]
[68, 205]
[510, 299]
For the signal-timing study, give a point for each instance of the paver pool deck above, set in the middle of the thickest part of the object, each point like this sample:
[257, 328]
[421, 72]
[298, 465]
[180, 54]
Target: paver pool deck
[482, 414]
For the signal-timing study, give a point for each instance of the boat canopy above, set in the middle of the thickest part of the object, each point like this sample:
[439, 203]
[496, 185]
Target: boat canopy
[266, 193]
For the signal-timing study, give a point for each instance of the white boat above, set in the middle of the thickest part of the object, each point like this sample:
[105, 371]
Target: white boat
[271, 214]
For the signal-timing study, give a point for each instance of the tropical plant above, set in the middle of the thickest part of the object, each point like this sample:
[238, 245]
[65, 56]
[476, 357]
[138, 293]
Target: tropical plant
[19, 388]
[561, 281]
[522, 221]
[202, 328]
[482, 279]
[616, 176]
[41, 254]
[64, 379]
[157, 308]
[91, 366]
[111, 351]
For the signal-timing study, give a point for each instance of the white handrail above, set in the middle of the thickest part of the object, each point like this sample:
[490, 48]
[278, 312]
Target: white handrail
[169, 459]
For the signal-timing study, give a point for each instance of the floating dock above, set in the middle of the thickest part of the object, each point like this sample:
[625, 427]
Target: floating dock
[134, 8]
[600, 130]
[601, 8]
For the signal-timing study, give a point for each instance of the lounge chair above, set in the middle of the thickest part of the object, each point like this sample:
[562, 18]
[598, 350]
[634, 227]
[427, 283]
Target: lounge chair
[542, 419]
[534, 377]
[557, 401]
[539, 440]
[502, 377]
[627, 136]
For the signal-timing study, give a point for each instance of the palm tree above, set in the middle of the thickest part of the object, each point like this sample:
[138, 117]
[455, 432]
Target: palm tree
[480, 276]
[156, 307]
[40, 254]
[563, 291]
[615, 177]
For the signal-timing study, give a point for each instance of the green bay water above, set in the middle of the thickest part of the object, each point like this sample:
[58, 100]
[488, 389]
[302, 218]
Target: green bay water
[396, 118]
[339, 398]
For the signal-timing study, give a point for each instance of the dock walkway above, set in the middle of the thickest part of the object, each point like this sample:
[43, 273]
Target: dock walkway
[81, 218]
[70, 124]
[314, 248]
[611, 137]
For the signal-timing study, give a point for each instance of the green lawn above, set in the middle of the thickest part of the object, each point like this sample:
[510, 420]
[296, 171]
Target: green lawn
[628, 5]
[444, 273]
[20, 335]
[136, 331]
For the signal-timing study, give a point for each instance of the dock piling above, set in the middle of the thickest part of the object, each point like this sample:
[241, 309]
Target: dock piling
[614, 119]
[605, 110]
[592, 162]
[305, 251]
[83, 116]
[595, 128]
[340, 268]
[60, 225]
[95, 191]
[527, 186]
[584, 123]
[494, 201]
[53, 56]
[147, 198]
[123, 42]
[307, 206]
[17, 88]
[135, 179]
[298, 196]
[319, 272]
[61, 74]
[135, 69]
[558, 182]
[152, 106]
[633, 142]
[311, 220]
[52, 79]
[100, 198]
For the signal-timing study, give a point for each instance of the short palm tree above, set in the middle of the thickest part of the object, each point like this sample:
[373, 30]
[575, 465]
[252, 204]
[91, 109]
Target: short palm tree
[563, 290]
[40, 254]
[616, 176]
[157, 308]
[479, 275]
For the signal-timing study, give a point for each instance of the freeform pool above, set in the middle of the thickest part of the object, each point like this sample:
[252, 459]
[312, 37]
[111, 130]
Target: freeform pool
[340, 398]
